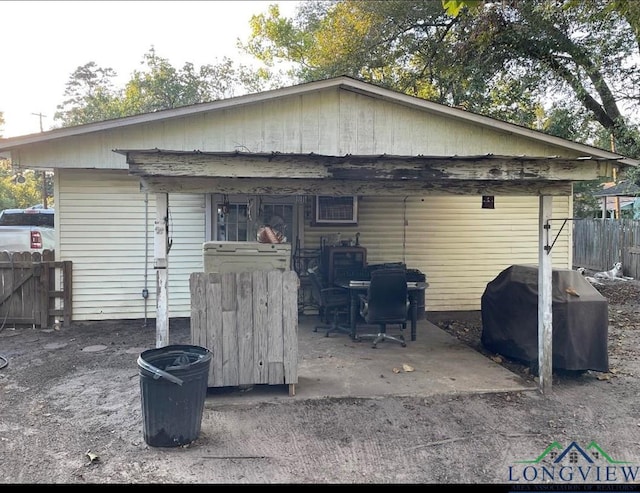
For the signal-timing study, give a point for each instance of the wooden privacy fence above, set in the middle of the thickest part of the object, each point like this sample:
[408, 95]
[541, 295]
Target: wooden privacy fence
[598, 244]
[28, 294]
[249, 322]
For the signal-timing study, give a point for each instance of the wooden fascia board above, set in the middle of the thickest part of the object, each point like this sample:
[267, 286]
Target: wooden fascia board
[173, 164]
[287, 186]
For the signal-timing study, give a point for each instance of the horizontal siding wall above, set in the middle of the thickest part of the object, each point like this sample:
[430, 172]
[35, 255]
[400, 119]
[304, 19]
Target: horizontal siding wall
[371, 125]
[457, 244]
[187, 232]
[103, 231]
[331, 122]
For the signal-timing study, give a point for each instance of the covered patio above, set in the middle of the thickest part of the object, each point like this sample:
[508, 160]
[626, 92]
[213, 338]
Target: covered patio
[336, 366]
[164, 171]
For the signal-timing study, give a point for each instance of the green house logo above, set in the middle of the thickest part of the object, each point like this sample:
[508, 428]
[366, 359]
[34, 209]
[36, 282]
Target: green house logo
[573, 463]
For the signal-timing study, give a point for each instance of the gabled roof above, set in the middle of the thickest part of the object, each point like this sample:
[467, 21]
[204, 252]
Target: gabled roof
[342, 82]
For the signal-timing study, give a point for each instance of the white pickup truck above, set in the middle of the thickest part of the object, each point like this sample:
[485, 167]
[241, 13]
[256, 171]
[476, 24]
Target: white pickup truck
[27, 230]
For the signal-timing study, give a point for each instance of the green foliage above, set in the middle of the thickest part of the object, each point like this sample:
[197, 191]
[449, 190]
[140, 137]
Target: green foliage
[21, 195]
[502, 59]
[92, 96]
[571, 122]
[454, 7]
[585, 205]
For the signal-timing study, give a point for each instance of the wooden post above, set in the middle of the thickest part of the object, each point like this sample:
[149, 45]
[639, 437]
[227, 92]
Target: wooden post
[545, 313]
[67, 299]
[616, 198]
[45, 283]
[161, 265]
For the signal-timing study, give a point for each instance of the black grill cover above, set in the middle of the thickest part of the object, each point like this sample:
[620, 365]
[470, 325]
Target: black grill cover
[580, 323]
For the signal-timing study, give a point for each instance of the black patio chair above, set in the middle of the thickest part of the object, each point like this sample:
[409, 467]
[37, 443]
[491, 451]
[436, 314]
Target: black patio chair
[333, 303]
[386, 303]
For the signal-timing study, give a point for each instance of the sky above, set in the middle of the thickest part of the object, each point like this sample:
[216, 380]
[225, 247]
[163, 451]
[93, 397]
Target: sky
[43, 43]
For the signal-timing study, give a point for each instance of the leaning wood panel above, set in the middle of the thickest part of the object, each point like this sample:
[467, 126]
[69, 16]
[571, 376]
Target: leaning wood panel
[245, 329]
[230, 363]
[213, 328]
[260, 338]
[274, 327]
[249, 321]
[229, 292]
[290, 288]
[229, 331]
[198, 289]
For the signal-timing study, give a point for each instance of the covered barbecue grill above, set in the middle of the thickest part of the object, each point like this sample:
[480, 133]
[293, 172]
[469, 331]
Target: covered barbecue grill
[580, 318]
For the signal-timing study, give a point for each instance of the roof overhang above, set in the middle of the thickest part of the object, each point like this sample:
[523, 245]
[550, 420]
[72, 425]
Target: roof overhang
[313, 174]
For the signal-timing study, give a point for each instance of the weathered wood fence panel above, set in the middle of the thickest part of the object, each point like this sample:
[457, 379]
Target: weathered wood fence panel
[598, 244]
[28, 289]
[249, 322]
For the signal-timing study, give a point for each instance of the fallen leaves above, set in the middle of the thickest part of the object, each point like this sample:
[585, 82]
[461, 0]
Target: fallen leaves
[571, 290]
[405, 368]
[92, 457]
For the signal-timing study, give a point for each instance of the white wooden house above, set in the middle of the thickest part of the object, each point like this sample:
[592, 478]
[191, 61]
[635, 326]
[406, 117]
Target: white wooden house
[419, 171]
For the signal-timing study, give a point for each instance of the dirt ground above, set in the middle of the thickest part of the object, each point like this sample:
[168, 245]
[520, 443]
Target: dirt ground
[70, 413]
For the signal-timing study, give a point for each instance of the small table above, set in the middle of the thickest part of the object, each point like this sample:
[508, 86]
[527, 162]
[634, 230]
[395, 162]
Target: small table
[357, 287]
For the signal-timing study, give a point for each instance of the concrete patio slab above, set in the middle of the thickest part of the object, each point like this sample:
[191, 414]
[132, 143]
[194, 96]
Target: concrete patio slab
[436, 363]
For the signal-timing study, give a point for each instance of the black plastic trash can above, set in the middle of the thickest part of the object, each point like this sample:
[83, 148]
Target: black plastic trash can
[173, 388]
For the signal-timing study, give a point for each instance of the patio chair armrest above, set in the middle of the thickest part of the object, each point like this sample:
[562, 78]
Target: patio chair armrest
[334, 291]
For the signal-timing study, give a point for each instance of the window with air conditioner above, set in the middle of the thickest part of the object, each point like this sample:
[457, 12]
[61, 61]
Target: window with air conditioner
[336, 210]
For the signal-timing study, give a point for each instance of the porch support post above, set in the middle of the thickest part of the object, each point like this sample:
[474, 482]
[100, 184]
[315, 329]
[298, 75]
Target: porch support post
[161, 265]
[545, 269]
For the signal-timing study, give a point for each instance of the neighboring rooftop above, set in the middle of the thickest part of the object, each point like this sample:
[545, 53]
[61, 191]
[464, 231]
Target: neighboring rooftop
[622, 189]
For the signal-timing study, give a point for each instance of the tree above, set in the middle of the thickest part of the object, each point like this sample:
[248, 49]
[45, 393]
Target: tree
[571, 122]
[1, 123]
[162, 86]
[501, 59]
[17, 194]
[92, 96]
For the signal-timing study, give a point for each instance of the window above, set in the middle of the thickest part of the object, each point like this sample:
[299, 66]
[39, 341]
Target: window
[336, 210]
[238, 218]
[232, 222]
[27, 217]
